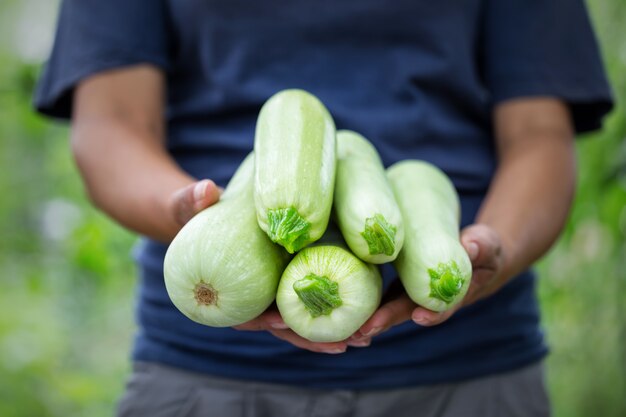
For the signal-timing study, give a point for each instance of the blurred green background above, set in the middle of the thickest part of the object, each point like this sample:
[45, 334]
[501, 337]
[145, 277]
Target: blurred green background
[68, 282]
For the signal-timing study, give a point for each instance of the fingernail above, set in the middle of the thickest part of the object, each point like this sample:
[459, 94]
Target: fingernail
[279, 326]
[472, 250]
[373, 332]
[334, 351]
[199, 191]
[420, 319]
[359, 343]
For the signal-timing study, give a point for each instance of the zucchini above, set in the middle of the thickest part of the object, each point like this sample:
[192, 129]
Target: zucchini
[365, 207]
[221, 269]
[433, 265]
[326, 293]
[295, 152]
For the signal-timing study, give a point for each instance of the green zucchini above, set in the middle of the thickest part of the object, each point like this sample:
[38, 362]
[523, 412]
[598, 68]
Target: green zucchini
[365, 207]
[326, 293]
[295, 150]
[433, 265]
[221, 269]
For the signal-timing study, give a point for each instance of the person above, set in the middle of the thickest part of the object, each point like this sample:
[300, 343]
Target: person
[163, 98]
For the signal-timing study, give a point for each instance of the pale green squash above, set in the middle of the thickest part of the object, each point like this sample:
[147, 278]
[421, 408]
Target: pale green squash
[326, 293]
[295, 152]
[364, 205]
[221, 269]
[433, 265]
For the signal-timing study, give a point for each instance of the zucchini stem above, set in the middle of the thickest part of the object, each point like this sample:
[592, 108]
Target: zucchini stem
[379, 235]
[446, 281]
[288, 228]
[319, 295]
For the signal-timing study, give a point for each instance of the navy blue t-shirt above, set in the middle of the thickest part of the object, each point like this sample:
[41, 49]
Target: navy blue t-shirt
[418, 78]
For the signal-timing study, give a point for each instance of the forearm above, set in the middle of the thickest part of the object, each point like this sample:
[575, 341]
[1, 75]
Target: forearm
[531, 194]
[128, 177]
[118, 141]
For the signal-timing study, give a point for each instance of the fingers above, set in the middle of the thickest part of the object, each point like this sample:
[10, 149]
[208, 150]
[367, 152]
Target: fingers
[280, 330]
[271, 321]
[484, 248]
[192, 199]
[358, 341]
[484, 283]
[205, 194]
[298, 341]
[425, 317]
[391, 313]
[487, 262]
[482, 245]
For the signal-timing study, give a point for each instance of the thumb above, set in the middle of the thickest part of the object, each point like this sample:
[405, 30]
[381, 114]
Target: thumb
[193, 198]
[482, 244]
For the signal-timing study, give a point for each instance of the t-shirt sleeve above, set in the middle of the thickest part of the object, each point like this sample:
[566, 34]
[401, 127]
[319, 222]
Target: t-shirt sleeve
[94, 36]
[545, 48]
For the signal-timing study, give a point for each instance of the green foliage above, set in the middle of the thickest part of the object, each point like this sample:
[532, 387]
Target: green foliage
[67, 281]
[67, 278]
[583, 279]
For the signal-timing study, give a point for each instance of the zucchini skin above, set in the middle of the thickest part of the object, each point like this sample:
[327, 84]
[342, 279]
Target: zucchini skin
[433, 266]
[223, 252]
[295, 151]
[359, 287]
[364, 204]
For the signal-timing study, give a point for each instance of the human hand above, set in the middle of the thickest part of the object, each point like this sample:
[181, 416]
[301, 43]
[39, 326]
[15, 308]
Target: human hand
[484, 247]
[193, 198]
[486, 251]
[271, 321]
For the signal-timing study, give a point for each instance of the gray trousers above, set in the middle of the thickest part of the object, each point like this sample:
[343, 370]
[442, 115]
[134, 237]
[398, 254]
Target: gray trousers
[160, 391]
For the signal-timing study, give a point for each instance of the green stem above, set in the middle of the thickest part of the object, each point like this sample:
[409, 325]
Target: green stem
[288, 228]
[320, 295]
[379, 235]
[446, 281]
